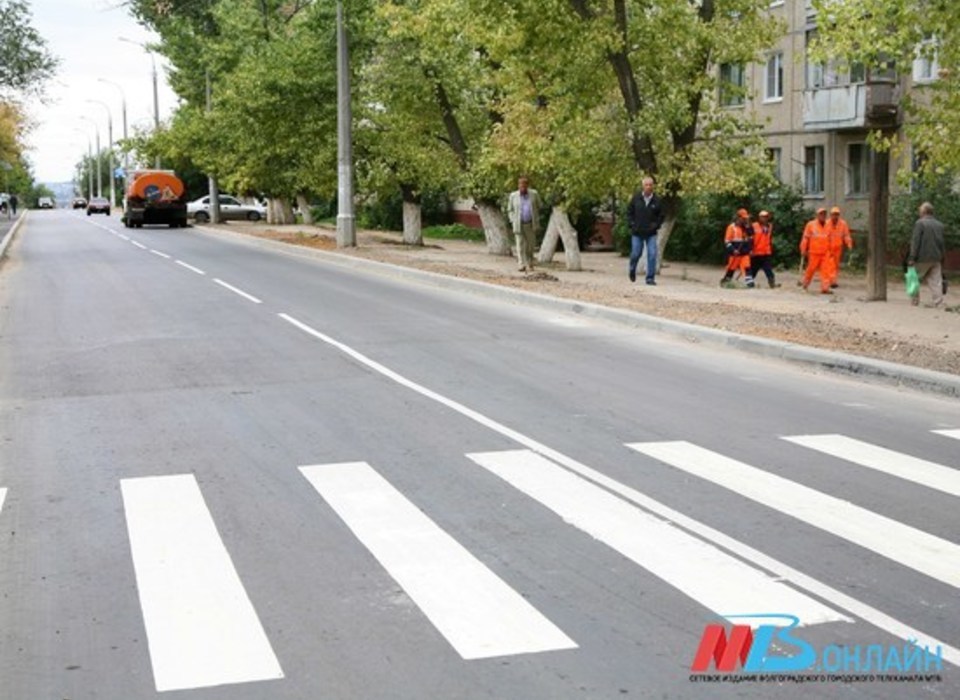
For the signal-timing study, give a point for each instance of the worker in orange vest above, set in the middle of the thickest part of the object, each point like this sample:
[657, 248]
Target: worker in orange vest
[761, 253]
[839, 239]
[815, 244]
[737, 241]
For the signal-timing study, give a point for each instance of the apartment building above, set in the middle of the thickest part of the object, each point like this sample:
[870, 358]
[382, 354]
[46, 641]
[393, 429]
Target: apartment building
[816, 117]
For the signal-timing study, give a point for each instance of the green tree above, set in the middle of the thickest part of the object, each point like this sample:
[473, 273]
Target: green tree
[25, 62]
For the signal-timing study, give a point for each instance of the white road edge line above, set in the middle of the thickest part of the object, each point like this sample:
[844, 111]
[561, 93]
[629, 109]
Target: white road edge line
[734, 587]
[190, 267]
[202, 629]
[473, 608]
[904, 466]
[237, 291]
[157, 252]
[787, 573]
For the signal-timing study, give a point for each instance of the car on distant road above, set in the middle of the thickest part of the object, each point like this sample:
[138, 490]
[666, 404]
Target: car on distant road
[98, 205]
[231, 209]
[45, 203]
[79, 203]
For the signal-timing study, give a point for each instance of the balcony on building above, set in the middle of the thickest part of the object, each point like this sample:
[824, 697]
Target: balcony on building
[852, 101]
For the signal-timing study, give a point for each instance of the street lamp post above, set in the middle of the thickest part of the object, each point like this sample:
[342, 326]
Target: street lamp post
[126, 153]
[97, 128]
[346, 228]
[113, 194]
[156, 101]
[89, 163]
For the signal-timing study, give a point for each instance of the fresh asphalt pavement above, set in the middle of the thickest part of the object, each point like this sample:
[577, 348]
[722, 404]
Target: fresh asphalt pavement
[232, 472]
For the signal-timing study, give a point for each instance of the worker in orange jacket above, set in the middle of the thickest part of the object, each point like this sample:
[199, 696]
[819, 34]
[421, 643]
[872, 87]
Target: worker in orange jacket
[761, 253]
[737, 242]
[839, 239]
[815, 244]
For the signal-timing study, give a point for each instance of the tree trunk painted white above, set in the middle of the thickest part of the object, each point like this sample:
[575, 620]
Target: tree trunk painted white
[662, 237]
[495, 228]
[412, 224]
[304, 207]
[560, 228]
[279, 211]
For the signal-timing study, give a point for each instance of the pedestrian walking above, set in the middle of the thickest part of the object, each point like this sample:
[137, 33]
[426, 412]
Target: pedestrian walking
[523, 211]
[737, 241]
[645, 216]
[840, 238]
[13, 204]
[927, 250]
[761, 254]
[815, 245]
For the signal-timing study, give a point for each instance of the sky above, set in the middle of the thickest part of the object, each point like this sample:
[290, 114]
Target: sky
[85, 36]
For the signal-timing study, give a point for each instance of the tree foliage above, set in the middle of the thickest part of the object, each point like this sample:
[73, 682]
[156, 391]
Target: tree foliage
[25, 62]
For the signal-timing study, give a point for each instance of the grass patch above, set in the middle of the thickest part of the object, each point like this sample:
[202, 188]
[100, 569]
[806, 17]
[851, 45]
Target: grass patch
[450, 232]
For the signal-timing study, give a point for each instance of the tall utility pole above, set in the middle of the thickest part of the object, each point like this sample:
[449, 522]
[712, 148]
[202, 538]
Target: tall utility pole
[97, 129]
[113, 195]
[213, 187]
[123, 109]
[156, 101]
[346, 226]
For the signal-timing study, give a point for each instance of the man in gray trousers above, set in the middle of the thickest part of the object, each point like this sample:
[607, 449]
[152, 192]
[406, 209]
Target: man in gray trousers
[927, 250]
[523, 210]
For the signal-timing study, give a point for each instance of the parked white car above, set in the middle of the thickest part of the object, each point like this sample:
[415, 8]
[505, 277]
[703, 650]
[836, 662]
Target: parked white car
[231, 208]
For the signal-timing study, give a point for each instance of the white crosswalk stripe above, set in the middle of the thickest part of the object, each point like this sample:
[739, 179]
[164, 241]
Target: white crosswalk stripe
[919, 471]
[926, 553]
[477, 612]
[3, 497]
[671, 554]
[955, 434]
[201, 627]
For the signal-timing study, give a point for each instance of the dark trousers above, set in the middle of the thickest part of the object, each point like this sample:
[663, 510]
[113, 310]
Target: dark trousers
[762, 262]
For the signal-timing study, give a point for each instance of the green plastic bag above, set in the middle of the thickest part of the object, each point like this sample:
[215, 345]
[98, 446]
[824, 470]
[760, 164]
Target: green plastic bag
[913, 282]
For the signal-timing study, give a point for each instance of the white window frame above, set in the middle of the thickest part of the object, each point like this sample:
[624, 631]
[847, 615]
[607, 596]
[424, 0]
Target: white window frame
[813, 180]
[773, 73]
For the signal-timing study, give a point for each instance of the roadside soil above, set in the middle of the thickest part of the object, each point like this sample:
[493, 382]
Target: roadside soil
[892, 330]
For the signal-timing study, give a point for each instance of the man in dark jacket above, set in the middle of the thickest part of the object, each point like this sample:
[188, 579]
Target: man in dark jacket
[645, 216]
[927, 250]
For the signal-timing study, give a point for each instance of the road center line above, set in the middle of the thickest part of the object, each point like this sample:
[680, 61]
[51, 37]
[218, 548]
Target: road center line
[237, 291]
[124, 236]
[139, 245]
[475, 610]
[157, 252]
[201, 627]
[190, 267]
[788, 573]
[3, 497]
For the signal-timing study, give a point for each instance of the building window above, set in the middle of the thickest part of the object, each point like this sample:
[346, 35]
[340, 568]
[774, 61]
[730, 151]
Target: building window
[775, 156]
[774, 81]
[813, 170]
[732, 84]
[858, 173]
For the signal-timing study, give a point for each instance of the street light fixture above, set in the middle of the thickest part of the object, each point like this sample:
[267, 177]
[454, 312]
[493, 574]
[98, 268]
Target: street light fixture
[123, 108]
[113, 195]
[97, 128]
[156, 103]
[89, 162]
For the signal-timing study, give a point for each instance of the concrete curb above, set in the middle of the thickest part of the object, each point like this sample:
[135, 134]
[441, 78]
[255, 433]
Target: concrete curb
[11, 232]
[843, 363]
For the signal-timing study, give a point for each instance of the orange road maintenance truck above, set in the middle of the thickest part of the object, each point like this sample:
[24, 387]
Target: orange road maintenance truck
[155, 197]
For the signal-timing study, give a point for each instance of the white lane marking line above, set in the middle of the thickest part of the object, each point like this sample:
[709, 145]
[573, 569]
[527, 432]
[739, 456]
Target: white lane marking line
[920, 471]
[473, 608]
[921, 551]
[124, 236]
[190, 267]
[201, 627]
[838, 598]
[157, 252]
[3, 497]
[955, 434]
[237, 291]
[139, 245]
[667, 552]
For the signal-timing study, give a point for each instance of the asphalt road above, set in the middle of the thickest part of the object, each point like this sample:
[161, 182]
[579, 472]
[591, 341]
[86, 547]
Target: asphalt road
[229, 472]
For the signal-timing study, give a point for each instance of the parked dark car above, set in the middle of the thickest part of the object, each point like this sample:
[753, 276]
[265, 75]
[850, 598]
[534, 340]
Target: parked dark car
[98, 205]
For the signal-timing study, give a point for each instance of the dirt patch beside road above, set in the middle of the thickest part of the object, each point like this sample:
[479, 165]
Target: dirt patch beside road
[891, 330]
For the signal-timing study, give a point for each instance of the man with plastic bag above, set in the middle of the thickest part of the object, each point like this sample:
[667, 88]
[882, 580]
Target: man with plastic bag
[925, 262]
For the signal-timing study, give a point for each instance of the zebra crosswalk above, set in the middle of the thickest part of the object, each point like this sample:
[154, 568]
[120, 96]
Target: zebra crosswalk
[203, 630]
